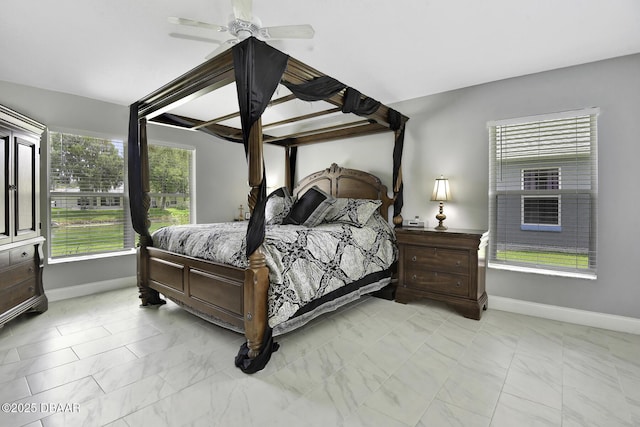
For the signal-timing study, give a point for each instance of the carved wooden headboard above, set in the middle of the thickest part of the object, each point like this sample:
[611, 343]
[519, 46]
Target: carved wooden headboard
[351, 183]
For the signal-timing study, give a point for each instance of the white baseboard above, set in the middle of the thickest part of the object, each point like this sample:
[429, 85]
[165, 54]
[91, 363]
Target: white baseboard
[89, 288]
[571, 315]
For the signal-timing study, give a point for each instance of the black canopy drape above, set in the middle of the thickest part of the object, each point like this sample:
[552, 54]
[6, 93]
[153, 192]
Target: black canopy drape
[136, 207]
[258, 70]
[397, 125]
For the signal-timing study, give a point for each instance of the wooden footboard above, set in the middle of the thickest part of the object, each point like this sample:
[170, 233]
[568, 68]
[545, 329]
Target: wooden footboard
[222, 292]
[212, 289]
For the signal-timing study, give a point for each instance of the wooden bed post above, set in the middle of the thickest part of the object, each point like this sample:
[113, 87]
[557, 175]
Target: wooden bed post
[287, 168]
[397, 220]
[256, 287]
[256, 162]
[397, 186]
[148, 296]
[256, 279]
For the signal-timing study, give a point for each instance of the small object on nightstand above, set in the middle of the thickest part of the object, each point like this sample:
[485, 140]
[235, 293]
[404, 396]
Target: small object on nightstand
[448, 266]
[416, 222]
[241, 214]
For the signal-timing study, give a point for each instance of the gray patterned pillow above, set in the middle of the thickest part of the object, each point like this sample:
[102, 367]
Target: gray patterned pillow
[278, 205]
[310, 209]
[352, 211]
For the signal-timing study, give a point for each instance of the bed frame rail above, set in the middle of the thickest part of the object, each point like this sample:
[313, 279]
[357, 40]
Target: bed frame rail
[206, 287]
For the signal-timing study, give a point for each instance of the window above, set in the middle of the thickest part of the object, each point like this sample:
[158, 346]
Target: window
[543, 193]
[540, 212]
[170, 172]
[88, 205]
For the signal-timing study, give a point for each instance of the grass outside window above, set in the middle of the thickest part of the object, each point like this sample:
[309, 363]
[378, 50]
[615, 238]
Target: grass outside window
[92, 231]
[559, 259]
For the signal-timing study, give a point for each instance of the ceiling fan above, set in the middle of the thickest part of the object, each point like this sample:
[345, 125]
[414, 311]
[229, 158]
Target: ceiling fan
[242, 24]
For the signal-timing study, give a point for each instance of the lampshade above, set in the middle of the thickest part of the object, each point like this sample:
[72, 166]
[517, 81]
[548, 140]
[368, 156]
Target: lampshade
[441, 191]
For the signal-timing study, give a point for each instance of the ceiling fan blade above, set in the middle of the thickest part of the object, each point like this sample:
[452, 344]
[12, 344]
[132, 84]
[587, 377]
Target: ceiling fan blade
[196, 38]
[192, 23]
[242, 9]
[224, 46]
[288, 32]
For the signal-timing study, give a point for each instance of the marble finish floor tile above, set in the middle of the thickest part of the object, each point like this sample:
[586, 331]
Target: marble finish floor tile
[537, 380]
[442, 414]
[373, 363]
[515, 411]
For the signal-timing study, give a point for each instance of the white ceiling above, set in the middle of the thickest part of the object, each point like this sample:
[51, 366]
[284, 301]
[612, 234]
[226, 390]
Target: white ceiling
[120, 50]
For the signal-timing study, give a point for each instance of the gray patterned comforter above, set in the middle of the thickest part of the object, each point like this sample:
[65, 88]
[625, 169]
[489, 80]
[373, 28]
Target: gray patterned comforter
[304, 263]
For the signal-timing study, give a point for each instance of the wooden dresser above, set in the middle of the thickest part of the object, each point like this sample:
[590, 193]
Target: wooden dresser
[21, 260]
[448, 266]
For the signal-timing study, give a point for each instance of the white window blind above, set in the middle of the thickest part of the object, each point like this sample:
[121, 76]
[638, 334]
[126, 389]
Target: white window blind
[543, 189]
[88, 209]
[89, 206]
[170, 181]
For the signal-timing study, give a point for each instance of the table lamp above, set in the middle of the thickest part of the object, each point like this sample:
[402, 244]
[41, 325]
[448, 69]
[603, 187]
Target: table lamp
[441, 194]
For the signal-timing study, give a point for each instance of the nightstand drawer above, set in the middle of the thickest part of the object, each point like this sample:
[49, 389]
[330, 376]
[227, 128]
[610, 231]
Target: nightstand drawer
[449, 260]
[434, 281]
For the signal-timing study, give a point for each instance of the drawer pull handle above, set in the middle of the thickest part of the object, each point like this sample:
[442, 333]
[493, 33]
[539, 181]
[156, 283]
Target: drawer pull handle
[30, 269]
[24, 254]
[414, 277]
[415, 258]
[458, 284]
[458, 263]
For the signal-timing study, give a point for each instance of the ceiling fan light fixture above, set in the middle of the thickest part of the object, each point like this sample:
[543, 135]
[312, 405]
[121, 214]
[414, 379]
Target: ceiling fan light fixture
[242, 25]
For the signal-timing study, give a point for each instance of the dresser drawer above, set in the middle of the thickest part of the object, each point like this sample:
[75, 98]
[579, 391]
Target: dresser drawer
[4, 259]
[448, 260]
[17, 274]
[11, 296]
[22, 254]
[439, 282]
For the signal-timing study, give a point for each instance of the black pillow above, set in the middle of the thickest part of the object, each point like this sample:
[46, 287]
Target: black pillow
[310, 209]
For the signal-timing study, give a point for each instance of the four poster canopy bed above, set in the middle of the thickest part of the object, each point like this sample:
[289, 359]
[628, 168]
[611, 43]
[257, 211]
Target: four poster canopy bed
[307, 248]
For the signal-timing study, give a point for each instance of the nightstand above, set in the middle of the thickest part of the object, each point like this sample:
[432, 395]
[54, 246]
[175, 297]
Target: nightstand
[447, 265]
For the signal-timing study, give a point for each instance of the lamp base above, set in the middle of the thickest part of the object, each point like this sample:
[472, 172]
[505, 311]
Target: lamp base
[441, 217]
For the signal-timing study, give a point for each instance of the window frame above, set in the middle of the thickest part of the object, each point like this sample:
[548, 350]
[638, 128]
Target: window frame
[127, 233]
[513, 142]
[129, 236]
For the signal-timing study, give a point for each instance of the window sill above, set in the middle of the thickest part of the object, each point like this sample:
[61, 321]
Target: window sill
[128, 252]
[536, 227]
[546, 272]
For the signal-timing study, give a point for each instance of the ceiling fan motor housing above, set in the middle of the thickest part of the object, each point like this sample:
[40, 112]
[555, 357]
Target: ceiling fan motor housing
[243, 29]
